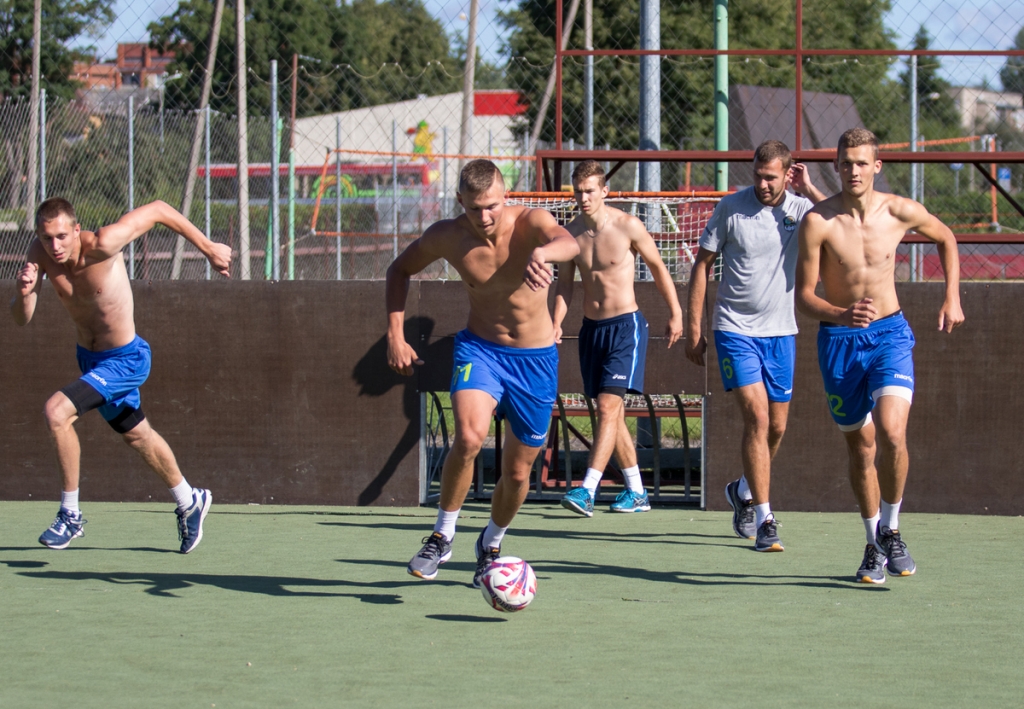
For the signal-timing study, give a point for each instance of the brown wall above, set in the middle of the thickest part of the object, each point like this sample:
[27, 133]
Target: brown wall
[964, 434]
[266, 392]
[280, 393]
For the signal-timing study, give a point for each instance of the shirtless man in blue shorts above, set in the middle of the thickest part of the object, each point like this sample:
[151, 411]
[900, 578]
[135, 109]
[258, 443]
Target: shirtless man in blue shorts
[613, 338]
[753, 322]
[88, 272]
[505, 359]
[865, 345]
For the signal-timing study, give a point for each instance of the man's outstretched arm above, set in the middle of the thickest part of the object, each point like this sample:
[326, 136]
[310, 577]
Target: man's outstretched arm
[417, 256]
[696, 342]
[931, 227]
[645, 245]
[111, 239]
[563, 295]
[557, 245]
[28, 281]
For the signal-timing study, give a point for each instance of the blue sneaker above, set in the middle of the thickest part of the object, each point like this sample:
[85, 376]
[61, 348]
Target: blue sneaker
[629, 501]
[579, 501]
[190, 520]
[65, 527]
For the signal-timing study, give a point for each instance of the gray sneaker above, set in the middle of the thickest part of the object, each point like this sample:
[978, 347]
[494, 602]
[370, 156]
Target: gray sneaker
[872, 569]
[767, 537]
[484, 557]
[436, 550]
[742, 512]
[895, 550]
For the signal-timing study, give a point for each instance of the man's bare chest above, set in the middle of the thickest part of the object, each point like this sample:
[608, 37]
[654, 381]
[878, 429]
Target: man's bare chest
[864, 244]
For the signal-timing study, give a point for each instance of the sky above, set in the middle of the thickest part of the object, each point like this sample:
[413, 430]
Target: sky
[960, 24]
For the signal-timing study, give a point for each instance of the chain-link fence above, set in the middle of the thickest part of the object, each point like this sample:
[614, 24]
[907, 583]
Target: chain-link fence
[378, 91]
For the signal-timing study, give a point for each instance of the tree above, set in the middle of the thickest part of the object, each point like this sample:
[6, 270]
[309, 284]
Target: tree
[1012, 73]
[354, 55]
[62, 22]
[687, 82]
[938, 114]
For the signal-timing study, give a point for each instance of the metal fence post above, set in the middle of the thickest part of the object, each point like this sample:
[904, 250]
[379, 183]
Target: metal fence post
[131, 178]
[444, 173]
[206, 128]
[914, 167]
[337, 191]
[394, 187]
[42, 144]
[275, 179]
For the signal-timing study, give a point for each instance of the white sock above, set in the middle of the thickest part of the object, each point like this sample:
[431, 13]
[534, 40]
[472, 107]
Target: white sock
[592, 480]
[870, 526]
[182, 494]
[445, 523]
[69, 501]
[633, 481]
[761, 513]
[889, 515]
[493, 535]
[744, 489]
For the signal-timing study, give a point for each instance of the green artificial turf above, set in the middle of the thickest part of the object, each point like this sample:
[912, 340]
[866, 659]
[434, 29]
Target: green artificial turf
[312, 607]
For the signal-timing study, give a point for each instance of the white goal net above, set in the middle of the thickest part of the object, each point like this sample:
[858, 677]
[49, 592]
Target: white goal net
[675, 222]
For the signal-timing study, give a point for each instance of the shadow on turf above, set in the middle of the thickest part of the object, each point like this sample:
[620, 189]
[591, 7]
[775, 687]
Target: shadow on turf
[582, 535]
[704, 579]
[453, 618]
[158, 584]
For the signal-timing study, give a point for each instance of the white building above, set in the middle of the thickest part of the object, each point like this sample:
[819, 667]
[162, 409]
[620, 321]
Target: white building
[393, 127]
[980, 108]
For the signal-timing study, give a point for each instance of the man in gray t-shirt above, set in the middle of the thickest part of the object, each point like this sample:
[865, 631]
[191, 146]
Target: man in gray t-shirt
[754, 326]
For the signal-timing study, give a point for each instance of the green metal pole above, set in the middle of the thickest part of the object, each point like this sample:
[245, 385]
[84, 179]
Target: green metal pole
[291, 214]
[721, 92]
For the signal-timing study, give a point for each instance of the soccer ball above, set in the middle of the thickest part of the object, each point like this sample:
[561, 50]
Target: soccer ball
[508, 584]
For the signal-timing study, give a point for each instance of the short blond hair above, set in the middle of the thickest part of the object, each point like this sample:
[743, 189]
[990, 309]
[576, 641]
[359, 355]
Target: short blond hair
[478, 176]
[856, 137]
[774, 150]
[54, 207]
[587, 168]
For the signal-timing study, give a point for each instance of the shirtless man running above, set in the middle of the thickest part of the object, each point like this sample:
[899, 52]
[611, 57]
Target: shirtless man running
[88, 272]
[505, 359]
[613, 338]
[865, 346]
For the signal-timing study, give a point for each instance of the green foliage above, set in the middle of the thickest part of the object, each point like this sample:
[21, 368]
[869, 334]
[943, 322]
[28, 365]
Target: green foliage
[62, 21]
[365, 35]
[1012, 73]
[937, 111]
[688, 84]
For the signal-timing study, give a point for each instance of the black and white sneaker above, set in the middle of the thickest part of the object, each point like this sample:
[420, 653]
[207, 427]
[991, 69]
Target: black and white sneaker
[436, 550]
[484, 557]
[742, 512]
[872, 569]
[768, 537]
[892, 545]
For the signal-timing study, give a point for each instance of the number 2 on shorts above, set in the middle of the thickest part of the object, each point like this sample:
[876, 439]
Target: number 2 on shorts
[836, 404]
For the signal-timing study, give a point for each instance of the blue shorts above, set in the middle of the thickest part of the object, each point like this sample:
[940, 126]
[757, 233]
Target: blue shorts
[612, 354]
[745, 360]
[523, 381]
[117, 375]
[858, 365]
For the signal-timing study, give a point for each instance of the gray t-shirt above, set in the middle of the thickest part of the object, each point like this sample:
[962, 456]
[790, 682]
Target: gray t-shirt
[758, 245]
